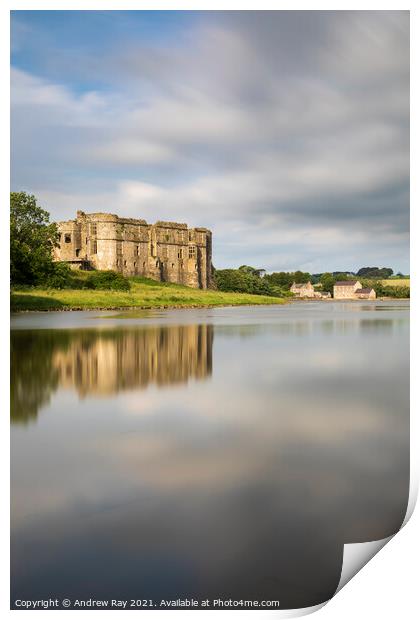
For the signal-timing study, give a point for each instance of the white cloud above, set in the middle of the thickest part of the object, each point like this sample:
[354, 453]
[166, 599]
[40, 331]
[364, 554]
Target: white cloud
[235, 128]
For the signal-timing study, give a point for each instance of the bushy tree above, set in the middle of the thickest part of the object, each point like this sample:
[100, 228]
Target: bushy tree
[285, 279]
[252, 270]
[32, 239]
[375, 272]
[243, 281]
[108, 281]
[328, 280]
[61, 276]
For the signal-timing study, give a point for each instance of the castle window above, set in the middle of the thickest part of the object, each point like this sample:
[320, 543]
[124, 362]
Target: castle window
[180, 253]
[173, 265]
[167, 237]
[191, 251]
[77, 253]
[59, 236]
[137, 250]
[157, 263]
[94, 247]
[144, 265]
[135, 263]
[125, 263]
[93, 229]
[67, 238]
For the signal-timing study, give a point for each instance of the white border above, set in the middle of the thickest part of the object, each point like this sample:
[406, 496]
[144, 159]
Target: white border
[387, 586]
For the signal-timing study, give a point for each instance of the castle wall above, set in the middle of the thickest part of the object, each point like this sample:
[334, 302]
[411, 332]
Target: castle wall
[104, 364]
[165, 251]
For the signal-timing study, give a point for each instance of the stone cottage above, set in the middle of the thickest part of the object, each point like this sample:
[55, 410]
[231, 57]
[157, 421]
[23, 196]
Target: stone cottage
[165, 251]
[366, 293]
[352, 289]
[303, 290]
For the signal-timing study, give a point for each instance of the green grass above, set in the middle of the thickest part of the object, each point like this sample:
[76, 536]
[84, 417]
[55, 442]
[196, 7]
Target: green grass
[144, 293]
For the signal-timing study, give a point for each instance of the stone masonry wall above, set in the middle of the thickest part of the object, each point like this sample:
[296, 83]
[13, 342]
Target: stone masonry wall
[165, 251]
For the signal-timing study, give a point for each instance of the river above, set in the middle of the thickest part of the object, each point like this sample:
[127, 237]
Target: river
[208, 454]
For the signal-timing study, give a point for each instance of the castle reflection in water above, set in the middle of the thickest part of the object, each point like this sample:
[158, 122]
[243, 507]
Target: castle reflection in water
[104, 362]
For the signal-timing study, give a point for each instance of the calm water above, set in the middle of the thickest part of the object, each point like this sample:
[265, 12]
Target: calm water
[224, 453]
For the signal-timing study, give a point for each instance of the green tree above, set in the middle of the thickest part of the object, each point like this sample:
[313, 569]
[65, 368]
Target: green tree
[327, 280]
[284, 279]
[244, 281]
[252, 270]
[375, 272]
[108, 281]
[32, 239]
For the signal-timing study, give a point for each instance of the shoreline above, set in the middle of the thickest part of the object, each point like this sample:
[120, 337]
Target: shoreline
[119, 308]
[198, 306]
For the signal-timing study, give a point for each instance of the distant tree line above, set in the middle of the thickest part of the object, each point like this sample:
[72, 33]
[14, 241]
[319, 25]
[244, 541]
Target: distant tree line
[248, 279]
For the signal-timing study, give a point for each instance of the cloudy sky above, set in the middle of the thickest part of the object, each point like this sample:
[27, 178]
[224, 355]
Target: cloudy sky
[286, 133]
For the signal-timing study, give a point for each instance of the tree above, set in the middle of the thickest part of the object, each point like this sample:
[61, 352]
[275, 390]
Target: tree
[327, 280]
[375, 272]
[244, 280]
[108, 281]
[285, 279]
[32, 239]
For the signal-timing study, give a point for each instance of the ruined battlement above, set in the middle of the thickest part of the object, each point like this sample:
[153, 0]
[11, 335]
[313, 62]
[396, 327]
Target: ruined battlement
[171, 225]
[165, 251]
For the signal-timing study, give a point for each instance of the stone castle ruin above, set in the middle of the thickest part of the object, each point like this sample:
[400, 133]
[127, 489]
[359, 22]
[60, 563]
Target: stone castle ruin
[165, 251]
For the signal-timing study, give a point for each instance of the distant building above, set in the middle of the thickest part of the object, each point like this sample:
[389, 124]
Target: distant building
[352, 289]
[366, 293]
[303, 290]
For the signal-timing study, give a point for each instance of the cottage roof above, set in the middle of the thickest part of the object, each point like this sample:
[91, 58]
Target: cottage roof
[364, 290]
[301, 284]
[346, 283]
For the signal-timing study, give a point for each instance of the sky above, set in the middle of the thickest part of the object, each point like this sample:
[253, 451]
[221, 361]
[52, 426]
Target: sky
[284, 132]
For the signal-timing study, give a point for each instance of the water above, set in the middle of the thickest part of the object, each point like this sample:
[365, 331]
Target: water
[208, 454]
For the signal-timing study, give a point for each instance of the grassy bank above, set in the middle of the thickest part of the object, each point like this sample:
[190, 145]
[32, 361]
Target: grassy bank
[144, 293]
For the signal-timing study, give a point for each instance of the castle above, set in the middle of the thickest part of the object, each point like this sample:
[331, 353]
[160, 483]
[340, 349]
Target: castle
[165, 251]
